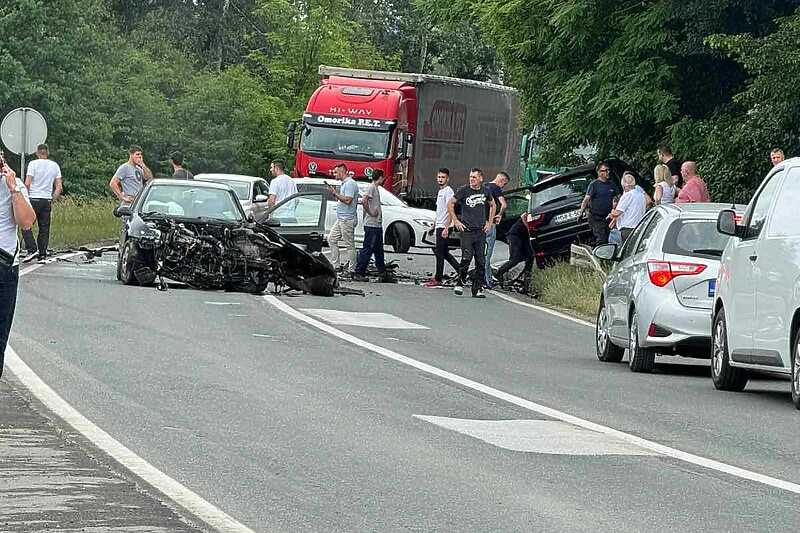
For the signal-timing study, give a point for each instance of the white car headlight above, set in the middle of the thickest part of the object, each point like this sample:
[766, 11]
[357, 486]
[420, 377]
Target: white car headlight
[424, 222]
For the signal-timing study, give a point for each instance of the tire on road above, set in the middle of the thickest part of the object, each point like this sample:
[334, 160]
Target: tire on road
[724, 376]
[639, 359]
[400, 237]
[796, 370]
[607, 351]
[126, 264]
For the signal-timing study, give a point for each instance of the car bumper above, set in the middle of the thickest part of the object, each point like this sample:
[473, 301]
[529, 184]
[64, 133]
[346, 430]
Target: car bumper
[679, 329]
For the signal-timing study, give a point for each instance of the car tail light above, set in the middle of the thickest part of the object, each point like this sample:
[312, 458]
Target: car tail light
[535, 221]
[662, 272]
[657, 331]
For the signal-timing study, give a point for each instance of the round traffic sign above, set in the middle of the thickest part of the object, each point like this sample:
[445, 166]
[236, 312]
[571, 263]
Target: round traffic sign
[22, 130]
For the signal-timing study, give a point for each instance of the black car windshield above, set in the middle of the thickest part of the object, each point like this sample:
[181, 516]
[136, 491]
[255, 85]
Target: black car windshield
[695, 238]
[188, 201]
[574, 187]
[342, 142]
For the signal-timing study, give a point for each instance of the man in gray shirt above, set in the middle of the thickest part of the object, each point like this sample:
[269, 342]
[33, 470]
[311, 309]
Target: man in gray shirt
[373, 231]
[130, 177]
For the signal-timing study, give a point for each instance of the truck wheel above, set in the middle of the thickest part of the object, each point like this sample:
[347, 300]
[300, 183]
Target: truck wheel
[639, 359]
[724, 376]
[400, 237]
[127, 264]
[607, 351]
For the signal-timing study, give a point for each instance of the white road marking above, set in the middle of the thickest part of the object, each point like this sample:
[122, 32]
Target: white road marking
[542, 309]
[365, 320]
[173, 490]
[222, 303]
[538, 408]
[539, 436]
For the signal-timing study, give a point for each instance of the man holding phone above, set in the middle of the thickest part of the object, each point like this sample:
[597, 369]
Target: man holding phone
[130, 177]
[15, 211]
[344, 228]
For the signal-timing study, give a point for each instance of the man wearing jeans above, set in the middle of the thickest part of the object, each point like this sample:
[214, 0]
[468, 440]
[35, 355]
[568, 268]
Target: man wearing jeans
[346, 217]
[495, 189]
[477, 216]
[373, 231]
[43, 182]
[15, 210]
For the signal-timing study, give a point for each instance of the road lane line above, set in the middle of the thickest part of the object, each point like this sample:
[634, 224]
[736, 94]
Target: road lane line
[172, 489]
[542, 309]
[661, 449]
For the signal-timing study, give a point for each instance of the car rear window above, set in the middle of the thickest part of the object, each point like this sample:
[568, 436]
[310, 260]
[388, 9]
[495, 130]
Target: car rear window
[695, 238]
[574, 187]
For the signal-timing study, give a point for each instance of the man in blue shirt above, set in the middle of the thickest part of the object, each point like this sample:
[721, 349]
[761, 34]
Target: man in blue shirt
[495, 189]
[344, 228]
[599, 199]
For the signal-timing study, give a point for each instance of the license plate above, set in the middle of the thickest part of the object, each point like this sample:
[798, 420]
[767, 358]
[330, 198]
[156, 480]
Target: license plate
[712, 287]
[566, 217]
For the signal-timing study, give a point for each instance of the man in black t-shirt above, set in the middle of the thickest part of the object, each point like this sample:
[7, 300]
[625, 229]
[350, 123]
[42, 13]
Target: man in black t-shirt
[600, 199]
[665, 156]
[477, 211]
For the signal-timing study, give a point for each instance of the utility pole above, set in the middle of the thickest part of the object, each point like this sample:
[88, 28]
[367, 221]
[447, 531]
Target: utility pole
[221, 34]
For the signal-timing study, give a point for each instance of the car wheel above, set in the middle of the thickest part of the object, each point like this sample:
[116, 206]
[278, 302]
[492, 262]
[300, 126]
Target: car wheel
[401, 238]
[127, 264]
[639, 359]
[724, 376]
[796, 371]
[607, 351]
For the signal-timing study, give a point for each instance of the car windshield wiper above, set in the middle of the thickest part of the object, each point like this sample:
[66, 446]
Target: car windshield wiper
[559, 198]
[320, 151]
[708, 251]
[150, 214]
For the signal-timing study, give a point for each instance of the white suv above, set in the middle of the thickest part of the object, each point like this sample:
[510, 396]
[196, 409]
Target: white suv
[756, 320]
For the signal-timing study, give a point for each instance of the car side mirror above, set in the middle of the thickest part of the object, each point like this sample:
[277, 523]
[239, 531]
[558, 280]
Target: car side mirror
[123, 211]
[260, 198]
[726, 222]
[605, 251]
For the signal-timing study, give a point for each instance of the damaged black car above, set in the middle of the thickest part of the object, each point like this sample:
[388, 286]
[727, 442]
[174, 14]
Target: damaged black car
[197, 233]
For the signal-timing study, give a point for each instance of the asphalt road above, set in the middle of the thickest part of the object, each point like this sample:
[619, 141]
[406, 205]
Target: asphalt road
[289, 428]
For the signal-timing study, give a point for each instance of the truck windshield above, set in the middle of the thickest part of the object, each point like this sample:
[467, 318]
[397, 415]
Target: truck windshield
[345, 143]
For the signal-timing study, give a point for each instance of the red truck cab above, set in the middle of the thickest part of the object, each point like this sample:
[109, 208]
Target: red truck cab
[367, 124]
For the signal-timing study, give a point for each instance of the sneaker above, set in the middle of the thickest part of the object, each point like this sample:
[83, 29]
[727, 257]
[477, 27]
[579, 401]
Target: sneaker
[479, 294]
[360, 277]
[30, 256]
[458, 289]
[41, 261]
[432, 284]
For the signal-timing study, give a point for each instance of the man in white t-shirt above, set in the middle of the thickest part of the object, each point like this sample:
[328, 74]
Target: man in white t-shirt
[442, 250]
[15, 211]
[631, 207]
[281, 186]
[43, 182]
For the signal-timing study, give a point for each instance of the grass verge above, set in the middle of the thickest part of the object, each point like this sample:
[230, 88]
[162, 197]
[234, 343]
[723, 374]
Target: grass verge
[568, 287]
[79, 221]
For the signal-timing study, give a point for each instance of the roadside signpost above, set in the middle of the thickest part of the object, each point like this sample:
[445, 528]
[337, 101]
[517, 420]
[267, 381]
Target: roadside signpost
[22, 130]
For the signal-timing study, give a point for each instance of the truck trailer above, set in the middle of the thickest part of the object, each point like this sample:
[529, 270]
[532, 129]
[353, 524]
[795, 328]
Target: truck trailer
[408, 125]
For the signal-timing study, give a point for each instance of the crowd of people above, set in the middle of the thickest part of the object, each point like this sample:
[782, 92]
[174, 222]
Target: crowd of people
[613, 216]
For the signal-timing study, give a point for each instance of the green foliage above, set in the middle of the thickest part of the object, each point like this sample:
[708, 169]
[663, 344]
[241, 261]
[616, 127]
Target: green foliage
[629, 75]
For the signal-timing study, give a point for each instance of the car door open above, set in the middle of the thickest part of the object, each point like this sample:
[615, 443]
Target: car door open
[300, 219]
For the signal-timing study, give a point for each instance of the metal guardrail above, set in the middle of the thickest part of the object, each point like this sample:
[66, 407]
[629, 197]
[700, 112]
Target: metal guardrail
[581, 257]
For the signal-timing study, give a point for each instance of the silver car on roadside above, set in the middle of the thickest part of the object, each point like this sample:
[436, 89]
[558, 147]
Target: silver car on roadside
[657, 298]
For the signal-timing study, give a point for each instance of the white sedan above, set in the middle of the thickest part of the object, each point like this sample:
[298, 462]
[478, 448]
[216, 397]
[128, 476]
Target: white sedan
[403, 226]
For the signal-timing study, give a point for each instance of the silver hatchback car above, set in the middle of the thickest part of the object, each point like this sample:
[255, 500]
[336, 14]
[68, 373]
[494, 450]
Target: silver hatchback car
[657, 299]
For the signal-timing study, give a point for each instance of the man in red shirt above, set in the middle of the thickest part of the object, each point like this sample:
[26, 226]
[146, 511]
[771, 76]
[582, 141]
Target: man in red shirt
[694, 190]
